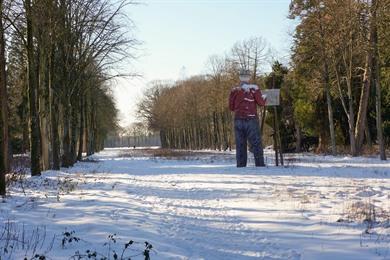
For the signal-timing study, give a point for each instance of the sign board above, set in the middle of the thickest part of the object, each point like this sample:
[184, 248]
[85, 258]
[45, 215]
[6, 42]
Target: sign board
[273, 96]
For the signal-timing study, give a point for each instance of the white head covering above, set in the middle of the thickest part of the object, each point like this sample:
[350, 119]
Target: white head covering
[245, 75]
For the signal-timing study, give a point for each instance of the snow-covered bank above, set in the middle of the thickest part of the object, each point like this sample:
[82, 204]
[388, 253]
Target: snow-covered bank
[205, 208]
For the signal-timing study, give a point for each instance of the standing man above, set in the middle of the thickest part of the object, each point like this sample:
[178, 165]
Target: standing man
[243, 101]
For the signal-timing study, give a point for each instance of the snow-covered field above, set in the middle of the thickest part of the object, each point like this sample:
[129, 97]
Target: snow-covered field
[201, 207]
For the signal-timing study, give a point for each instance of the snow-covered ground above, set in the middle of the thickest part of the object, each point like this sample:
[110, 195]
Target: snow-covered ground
[201, 207]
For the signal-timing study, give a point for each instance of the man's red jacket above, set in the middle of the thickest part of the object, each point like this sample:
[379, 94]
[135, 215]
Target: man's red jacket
[243, 101]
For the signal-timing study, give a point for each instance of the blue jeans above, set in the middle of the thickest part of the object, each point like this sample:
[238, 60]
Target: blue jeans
[248, 130]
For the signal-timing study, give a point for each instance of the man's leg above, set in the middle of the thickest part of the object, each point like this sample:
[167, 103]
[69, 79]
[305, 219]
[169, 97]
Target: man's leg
[240, 134]
[255, 141]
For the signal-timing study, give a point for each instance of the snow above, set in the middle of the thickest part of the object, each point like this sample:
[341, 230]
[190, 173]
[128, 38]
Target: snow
[203, 207]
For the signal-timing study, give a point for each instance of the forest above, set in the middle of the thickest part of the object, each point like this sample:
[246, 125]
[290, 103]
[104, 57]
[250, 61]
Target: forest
[57, 63]
[335, 91]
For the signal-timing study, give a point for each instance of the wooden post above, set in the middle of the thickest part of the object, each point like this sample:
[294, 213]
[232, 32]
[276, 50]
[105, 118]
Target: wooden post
[275, 139]
[276, 134]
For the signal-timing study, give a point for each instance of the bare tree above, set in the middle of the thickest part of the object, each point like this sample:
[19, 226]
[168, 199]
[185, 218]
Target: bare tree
[35, 146]
[3, 109]
[343, 46]
[376, 76]
[252, 54]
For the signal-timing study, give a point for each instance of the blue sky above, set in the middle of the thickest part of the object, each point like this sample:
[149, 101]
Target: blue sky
[180, 35]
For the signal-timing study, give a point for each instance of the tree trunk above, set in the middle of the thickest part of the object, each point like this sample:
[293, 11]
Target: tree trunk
[43, 84]
[323, 134]
[367, 80]
[91, 129]
[56, 160]
[363, 104]
[94, 138]
[298, 138]
[74, 123]
[351, 122]
[3, 105]
[88, 125]
[4, 98]
[66, 157]
[215, 131]
[367, 134]
[35, 142]
[81, 131]
[325, 78]
[379, 124]
[330, 109]
[376, 79]
[351, 119]
[45, 142]
[54, 115]
[2, 168]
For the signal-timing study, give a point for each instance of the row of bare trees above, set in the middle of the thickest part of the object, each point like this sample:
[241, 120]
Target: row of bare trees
[57, 60]
[191, 121]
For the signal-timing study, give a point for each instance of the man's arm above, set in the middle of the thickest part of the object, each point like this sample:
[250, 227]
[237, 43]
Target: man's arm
[232, 99]
[260, 100]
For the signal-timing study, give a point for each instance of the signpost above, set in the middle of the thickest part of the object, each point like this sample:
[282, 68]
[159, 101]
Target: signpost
[273, 100]
[273, 96]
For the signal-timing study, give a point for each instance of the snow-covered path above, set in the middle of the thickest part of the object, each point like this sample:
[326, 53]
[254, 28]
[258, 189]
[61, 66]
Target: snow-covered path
[205, 208]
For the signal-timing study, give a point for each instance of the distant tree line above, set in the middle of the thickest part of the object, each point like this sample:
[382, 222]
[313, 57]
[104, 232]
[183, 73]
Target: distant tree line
[135, 135]
[56, 62]
[335, 92]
